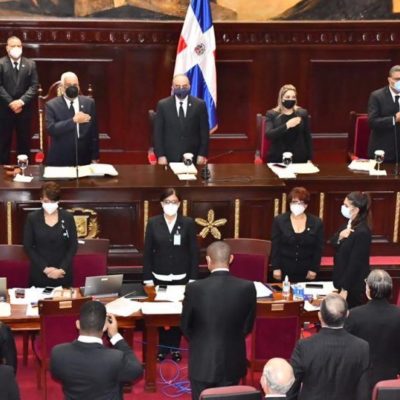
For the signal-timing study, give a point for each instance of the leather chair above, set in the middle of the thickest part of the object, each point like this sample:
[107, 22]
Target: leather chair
[263, 142]
[359, 133]
[276, 330]
[57, 325]
[14, 265]
[387, 390]
[90, 260]
[54, 91]
[239, 392]
[251, 258]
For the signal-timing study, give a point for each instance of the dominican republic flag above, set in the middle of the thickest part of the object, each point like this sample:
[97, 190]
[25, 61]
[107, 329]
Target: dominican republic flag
[196, 56]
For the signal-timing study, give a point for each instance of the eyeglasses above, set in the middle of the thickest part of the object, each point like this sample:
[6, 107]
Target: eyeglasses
[171, 202]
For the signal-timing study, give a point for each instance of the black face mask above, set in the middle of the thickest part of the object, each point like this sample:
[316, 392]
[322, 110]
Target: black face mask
[289, 104]
[72, 91]
[181, 93]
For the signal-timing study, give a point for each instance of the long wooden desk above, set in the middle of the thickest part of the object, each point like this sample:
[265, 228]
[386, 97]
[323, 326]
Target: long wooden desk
[18, 321]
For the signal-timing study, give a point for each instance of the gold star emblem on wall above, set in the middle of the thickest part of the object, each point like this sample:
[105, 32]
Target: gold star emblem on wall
[211, 225]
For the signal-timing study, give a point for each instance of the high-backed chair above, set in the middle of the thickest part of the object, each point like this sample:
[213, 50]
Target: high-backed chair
[239, 392]
[54, 91]
[151, 156]
[250, 258]
[387, 390]
[275, 333]
[14, 265]
[263, 142]
[57, 325]
[359, 133]
[90, 260]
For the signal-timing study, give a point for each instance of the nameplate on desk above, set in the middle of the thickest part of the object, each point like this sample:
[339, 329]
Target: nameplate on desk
[277, 306]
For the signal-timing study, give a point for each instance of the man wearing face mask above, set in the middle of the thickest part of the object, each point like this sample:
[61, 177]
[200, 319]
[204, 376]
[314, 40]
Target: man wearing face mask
[50, 241]
[18, 87]
[170, 257]
[384, 117]
[71, 122]
[181, 125]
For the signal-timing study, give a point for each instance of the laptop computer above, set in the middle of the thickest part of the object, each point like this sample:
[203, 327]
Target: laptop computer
[3, 289]
[102, 286]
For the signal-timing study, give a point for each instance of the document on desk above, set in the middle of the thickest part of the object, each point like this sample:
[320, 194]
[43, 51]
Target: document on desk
[123, 307]
[282, 171]
[319, 288]
[5, 309]
[362, 165]
[83, 171]
[32, 310]
[32, 295]
[304, 168]
[181, 168]
[172, 293]
[158, 307]
[262, 290]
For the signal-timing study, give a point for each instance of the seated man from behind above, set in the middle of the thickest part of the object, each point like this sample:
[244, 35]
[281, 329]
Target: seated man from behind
[333, 364]
[378, 322]
[8, 365]
[277, 378]
[87, 369]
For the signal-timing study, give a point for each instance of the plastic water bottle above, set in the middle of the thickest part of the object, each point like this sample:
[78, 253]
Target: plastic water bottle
[286, 288]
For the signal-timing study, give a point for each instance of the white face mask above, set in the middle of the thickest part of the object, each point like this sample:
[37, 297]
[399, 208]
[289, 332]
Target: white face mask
[297, 209]
[15, 53]
[50, 207]
[170, 209]
[346, 212]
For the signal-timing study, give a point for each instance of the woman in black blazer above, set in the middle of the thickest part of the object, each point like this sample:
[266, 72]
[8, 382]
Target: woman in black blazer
[297, 240]
[171, 257]
[352, 243]
[287, 128]
[50, 240]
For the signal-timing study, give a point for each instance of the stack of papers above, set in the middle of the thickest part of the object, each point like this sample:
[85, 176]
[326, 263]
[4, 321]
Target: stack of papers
[23, 178]
[315, 289]
[5, 309]
[123, 307]
[304, 168]
[83, 171]
[262, 290]
[173, 293]
[184, 172]
[282, 171]
[290, 171]
[32, 295]
[161, 308]
[362, 165]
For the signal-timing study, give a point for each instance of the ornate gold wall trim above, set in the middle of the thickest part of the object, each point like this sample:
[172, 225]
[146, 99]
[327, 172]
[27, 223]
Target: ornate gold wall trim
[276, 207]
[396, 219]
[184, 207]
[284, 201]
[9, 222]
[321, 205]
[237, 219]
[145, 215]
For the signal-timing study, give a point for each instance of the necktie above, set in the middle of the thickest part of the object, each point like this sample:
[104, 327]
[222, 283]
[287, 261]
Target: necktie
[72, 109]
[16, 68]
[396, 103]
[181, 114]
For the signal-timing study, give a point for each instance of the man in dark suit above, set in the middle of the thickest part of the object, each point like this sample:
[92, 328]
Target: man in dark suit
[8, 351]
[333, 364]
[218, 312]
[277, 378]
[378, 322]
[9, 387]
[18, 87]
[181, 125]
[87, 369]
[384, 117]
[71, 121]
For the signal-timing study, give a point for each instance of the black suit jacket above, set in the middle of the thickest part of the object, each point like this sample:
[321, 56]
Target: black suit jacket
[8, 351]
[162, 256]
[331, 365]
[218, 312]
[11, 88]
[63, 131]
[91, 371]
[378, 322]
[172, 140]
[381, 112]
[296, 254]
[296, 140]
[351, 260]
[9, 388]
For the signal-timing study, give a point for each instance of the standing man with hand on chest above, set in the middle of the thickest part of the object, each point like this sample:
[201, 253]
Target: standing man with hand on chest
[181, 125]
[18, 87]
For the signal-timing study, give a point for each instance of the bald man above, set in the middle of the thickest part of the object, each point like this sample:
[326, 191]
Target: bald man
[181, 125]
[18, 88]
[218, 313]
[333, 364]
[277, 378]
[71, 123]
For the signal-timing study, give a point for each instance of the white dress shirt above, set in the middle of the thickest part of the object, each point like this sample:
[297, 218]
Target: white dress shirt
[184, 104]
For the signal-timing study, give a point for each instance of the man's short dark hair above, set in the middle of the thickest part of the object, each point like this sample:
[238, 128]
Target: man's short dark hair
[334, 310]
[380, 284]
[219, 252]
[92, 317]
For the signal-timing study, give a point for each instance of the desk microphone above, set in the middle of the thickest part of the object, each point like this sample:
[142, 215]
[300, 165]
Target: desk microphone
[205, 172]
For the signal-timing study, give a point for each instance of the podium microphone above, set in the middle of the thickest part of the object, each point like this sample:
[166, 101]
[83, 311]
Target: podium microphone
[396, 149]
[205, 172]
[76, 153]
